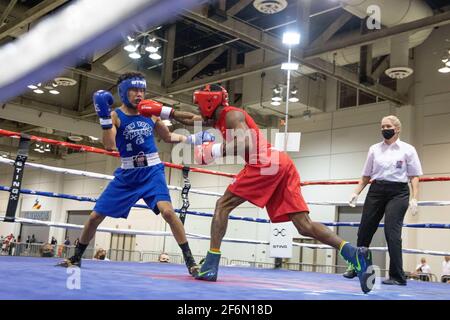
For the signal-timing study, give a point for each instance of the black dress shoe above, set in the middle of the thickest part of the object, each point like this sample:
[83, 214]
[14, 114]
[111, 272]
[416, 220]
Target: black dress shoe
[394, 282]
[350, 274]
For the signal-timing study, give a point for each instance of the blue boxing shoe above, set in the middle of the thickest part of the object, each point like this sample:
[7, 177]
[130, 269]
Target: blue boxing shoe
[360, 259]
[210, 267]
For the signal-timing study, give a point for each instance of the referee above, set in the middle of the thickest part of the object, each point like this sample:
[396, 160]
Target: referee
[390, 164]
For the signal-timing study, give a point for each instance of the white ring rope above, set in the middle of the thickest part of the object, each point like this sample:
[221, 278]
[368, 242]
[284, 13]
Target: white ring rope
[196, 191]
[94, 175]
[203, 237]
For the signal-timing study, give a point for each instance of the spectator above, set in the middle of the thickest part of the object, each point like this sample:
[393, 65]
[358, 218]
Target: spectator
[47, 250]
[446, 270]
[54, 242]
[12, 245]
[101, 255]
[164, 257]
[423, 267]
[33, 239]
[6, 243]
[67, 241]
[76, 242]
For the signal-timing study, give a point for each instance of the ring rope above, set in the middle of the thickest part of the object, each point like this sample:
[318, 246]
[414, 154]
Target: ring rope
[95, 175]
[204, 214]
[85, 148]
[202, 192]
[203, 237]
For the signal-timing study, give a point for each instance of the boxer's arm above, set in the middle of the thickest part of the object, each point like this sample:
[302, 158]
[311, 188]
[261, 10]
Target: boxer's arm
[187, 118]
[167, 136]
[235, 120]
[109, 135]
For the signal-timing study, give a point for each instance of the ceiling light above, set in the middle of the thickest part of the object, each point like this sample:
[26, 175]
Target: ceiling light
[38, 91]
[152, 48]
[131, 47]
[155, 56]
[275, 103]
[291, 38]
[289, 66]
[47, 148]
[444, 69]
[447, 63]
[134, 55]
[293, 99]
[54, 91]
[93, 138]
[277, 98]
[32, 86]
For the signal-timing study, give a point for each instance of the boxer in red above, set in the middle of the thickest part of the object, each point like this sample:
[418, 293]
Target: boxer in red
[269, 179]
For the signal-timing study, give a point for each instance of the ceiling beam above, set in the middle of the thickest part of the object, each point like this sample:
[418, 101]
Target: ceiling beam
[30, 16]
[202, 64]
[334, 27]
[7, 11]
[238, 7]
[169, 53]
[233, 74]
[380, 67]
[360, 40]
[266, 41]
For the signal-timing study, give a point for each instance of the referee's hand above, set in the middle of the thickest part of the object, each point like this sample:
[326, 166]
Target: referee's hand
[413, 206]
[353, 200]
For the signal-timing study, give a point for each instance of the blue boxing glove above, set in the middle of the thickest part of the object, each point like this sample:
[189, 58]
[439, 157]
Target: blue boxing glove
[200, 138]
[103, 101]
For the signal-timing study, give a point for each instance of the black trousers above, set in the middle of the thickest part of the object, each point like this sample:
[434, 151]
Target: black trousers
[390, 199]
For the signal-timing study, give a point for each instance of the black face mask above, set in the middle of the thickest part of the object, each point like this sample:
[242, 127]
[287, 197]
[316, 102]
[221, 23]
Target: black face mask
[388, 133]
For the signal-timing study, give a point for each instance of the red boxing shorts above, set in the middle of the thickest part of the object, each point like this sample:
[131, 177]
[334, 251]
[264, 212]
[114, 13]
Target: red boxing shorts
[279, 192]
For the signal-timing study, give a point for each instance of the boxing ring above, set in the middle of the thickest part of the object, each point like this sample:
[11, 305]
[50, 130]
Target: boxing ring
[32, 278]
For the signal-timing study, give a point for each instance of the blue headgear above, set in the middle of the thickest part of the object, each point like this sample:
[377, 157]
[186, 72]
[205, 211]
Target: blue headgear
[125, 85]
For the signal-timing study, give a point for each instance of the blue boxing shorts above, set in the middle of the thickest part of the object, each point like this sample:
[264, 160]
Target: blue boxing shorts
[131, 185]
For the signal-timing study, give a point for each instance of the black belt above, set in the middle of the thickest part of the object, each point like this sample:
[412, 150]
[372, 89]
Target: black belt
[392, 183]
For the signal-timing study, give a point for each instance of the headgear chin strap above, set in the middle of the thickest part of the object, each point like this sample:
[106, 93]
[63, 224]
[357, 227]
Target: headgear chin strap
[127, 84]
[209, 98]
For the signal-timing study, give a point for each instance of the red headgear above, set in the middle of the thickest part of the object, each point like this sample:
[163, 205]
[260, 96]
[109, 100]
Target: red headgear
[209, 98]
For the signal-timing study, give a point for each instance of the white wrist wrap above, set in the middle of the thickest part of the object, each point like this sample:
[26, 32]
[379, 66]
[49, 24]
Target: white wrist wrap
[105, 121]
[165, 112]
[216, 151]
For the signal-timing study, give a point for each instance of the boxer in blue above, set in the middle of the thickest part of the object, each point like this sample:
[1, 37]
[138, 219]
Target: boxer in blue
[141, 174]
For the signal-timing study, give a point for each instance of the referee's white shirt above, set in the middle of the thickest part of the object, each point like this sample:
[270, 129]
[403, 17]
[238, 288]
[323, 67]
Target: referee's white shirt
[395, 162]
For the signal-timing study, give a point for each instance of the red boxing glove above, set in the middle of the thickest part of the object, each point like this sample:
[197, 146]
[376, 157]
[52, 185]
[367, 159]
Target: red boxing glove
[148, 108]
[207, 152]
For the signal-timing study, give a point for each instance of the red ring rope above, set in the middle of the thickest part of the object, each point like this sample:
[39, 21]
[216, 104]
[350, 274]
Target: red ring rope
[180, 167]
